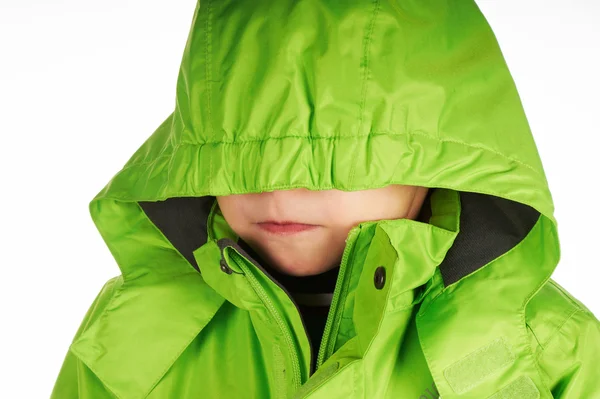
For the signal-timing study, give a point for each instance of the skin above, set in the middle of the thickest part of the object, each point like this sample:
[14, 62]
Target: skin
[334, 211]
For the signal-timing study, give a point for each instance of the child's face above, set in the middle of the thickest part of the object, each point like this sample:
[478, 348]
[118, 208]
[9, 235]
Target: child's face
[334, 212]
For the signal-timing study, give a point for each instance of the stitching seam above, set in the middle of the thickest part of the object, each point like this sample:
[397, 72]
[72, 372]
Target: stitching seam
[556, 333]
[374, 133]
[368, 38]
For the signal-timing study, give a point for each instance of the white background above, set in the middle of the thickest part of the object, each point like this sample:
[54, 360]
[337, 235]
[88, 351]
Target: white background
[83, 84]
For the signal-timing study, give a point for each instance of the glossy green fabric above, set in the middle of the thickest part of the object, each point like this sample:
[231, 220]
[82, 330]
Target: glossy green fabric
[348, 95]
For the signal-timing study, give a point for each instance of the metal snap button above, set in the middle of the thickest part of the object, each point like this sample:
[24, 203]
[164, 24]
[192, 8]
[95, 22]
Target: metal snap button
[379, 277]
[225, 267]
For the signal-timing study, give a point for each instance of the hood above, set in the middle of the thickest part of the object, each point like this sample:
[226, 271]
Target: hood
[325, 95]
[346, 95]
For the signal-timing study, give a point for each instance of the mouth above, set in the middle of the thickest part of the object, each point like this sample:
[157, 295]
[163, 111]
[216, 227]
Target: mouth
[285, 227]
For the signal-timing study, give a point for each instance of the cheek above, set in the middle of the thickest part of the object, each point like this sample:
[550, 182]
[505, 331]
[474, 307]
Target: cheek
[348, 209]
[232, 211]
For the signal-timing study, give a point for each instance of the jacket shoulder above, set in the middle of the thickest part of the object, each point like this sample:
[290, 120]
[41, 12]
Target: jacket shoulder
[100, 301]
[565, 338]
[71, 373]
[547, 312]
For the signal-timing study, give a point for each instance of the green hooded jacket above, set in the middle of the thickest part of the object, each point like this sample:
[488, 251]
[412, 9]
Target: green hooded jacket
[346, 95]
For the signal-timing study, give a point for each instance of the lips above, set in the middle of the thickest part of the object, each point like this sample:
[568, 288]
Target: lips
[285, 228]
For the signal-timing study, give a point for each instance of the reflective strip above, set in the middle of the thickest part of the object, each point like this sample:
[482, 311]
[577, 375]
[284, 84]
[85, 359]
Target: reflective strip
[522, 388]
[476, 366]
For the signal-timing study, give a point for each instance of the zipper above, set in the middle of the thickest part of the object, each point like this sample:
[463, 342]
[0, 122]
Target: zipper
[334, 315]
[280, 322]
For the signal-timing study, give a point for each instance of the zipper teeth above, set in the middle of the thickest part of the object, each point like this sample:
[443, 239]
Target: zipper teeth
[336, 294]
[287, 293]
[287, 334]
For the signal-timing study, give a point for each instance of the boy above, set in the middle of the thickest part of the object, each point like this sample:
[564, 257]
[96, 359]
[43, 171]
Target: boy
[418, 260]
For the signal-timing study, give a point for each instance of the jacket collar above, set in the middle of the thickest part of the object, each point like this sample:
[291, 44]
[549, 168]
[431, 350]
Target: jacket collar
[397, 242]
[409, 250]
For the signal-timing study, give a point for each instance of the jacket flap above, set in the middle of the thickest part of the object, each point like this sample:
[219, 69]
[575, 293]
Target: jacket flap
[143, 330]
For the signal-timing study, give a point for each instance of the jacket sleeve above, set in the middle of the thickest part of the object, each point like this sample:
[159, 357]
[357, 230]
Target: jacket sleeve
[69, 376]
[570, 359]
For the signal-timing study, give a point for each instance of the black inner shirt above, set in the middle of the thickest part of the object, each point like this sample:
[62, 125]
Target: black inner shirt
[311, 294]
